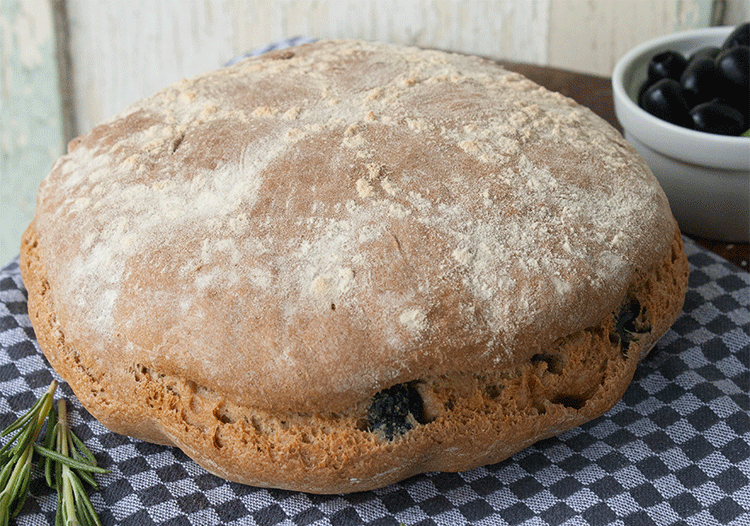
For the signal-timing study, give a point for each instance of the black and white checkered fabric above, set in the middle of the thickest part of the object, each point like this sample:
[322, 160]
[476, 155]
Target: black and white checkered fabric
[289, 42]
[674, 451]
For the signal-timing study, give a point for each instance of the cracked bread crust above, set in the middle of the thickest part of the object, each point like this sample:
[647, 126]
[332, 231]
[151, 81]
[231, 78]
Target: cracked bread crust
[242, 263]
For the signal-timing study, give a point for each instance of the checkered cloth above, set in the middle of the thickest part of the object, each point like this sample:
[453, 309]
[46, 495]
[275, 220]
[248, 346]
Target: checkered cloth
[295, 41]
[675, 450]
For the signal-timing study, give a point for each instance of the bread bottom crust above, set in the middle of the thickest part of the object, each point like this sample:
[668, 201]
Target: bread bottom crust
[470, 418]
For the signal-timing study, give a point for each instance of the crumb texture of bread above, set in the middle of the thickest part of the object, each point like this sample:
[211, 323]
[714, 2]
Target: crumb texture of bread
[332, 267]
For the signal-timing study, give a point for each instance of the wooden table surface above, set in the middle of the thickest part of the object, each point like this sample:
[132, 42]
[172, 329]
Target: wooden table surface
[596, 93]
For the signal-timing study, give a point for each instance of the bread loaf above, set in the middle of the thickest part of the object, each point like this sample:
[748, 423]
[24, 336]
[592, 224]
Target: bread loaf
[338, 265]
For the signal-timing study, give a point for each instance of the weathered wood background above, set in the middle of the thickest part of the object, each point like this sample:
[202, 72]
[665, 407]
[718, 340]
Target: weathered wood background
[68, 64]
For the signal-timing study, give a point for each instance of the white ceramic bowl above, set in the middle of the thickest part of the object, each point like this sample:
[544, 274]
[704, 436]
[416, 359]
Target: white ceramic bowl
[705, 176]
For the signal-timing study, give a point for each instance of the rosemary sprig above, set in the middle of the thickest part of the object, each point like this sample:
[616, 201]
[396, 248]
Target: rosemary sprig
[16, 456]
[66, 461]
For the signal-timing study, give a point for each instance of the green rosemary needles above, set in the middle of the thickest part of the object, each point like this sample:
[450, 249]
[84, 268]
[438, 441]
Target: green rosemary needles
[67, 464]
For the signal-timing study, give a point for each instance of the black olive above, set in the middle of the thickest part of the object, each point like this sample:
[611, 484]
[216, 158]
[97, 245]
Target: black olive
[710, 52]
[666, 65]
[665, 100]
[740, 102]
[700, 81]
[718, 118]
[734, 66]
[625, 330]
[739, 37]
[642, 92]
[720, 76]
[390, 410]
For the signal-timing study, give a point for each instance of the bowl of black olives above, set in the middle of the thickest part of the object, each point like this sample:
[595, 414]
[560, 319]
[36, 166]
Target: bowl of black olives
[682, 101]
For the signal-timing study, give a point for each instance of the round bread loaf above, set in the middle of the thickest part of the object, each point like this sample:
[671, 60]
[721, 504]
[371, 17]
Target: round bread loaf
[335, 266]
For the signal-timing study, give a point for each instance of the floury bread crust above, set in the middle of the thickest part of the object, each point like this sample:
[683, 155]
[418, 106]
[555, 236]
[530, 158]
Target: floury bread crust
[335, 266]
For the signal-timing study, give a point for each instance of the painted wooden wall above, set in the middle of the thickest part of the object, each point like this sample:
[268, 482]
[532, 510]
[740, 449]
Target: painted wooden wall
[123, 50]
[31, 133]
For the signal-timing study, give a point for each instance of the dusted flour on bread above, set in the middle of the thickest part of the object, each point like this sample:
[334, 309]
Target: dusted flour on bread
[294, 235]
